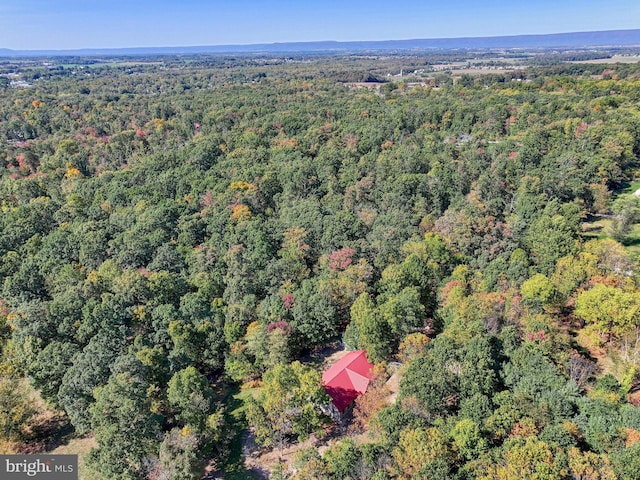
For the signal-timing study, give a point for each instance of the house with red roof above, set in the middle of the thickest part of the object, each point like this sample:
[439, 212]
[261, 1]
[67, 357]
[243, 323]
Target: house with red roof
[348, 378]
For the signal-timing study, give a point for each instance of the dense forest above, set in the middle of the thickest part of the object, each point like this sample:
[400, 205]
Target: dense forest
[181, 237]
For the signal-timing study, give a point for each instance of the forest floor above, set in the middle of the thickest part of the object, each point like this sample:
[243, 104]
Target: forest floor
[261, 462]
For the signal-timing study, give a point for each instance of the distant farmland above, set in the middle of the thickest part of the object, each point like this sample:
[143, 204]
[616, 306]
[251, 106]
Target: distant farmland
[613, 59]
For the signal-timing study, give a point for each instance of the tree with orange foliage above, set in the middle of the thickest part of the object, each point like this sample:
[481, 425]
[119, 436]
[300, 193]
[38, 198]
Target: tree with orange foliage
[370, 403]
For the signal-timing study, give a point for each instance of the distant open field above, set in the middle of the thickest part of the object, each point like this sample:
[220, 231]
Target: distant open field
[613, 59]
[485, 70]
[466, 67]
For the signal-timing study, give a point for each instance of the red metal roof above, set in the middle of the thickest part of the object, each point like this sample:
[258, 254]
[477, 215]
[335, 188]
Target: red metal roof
[348, 378]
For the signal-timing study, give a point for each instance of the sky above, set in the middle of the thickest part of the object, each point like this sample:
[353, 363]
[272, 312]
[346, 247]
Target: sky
[69, 24]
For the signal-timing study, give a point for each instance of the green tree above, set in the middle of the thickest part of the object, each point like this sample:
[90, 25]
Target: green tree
[627, 213]
[423, 452]
[368, 330]
[289, 404]
[90, 369]
[124, 427]
[528, 459]
[191, 396]
[468, 439]
[179, 456]
[609, 310]
[314, 315]
[16, 409]
[626, 462]
[552, 236]
[538, 289]
[341, 459]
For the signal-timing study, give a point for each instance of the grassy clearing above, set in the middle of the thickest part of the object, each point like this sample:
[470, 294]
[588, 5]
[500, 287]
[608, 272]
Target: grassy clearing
[235, 403]
[80, 447]
[597, 228]
[632, 244]
[632, 187]
[600, 227]
[54, 434]
[49, 432]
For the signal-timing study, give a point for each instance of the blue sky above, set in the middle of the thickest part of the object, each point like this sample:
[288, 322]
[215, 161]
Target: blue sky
[63, 24]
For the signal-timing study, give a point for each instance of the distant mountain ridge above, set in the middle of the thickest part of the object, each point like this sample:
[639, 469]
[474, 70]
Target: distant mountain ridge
[555, 40]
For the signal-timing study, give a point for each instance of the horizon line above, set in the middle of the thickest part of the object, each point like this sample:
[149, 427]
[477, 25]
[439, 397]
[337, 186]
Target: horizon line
[312, 42]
